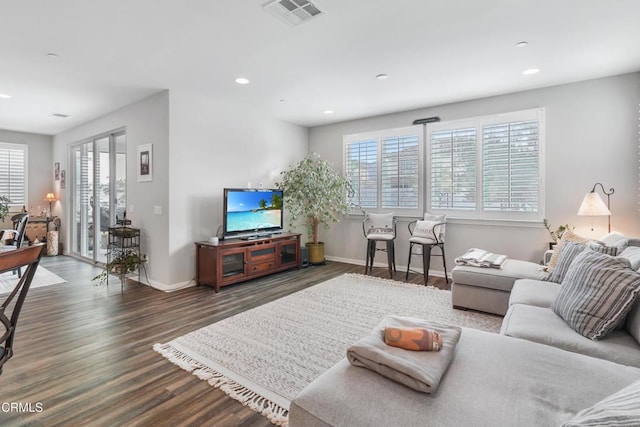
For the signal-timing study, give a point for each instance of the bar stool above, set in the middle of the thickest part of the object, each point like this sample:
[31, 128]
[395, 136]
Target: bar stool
[428, 233]
[380, 228]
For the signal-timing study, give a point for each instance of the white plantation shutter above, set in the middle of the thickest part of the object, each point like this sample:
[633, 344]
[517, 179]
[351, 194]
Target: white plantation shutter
[361, 169]
[488, 167]
[385, 170]
[13, 173]
[453, 169]
[400, 171]
[510, 167]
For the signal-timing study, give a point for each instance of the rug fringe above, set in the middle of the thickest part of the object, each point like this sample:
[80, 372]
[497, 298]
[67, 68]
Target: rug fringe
[274, 412]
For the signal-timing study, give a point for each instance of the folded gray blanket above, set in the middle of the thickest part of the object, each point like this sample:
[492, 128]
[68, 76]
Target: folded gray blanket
[481, 258]
[419, 370]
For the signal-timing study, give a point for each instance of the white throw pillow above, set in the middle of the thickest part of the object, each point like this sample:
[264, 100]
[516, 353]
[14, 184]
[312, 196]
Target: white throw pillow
[424, 229]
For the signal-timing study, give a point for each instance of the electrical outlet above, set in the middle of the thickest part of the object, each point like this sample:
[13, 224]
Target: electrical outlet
[418, 249]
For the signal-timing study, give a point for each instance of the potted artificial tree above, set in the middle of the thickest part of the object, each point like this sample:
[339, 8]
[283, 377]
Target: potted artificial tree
[316, 194]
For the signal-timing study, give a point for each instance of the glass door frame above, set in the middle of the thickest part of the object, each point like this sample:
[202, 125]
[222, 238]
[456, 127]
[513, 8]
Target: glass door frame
[80, 230]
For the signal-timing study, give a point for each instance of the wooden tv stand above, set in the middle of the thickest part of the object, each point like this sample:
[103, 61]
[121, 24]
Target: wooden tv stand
[235, 260]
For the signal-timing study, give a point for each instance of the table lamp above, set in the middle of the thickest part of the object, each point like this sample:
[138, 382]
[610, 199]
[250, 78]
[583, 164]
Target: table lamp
[50, 197]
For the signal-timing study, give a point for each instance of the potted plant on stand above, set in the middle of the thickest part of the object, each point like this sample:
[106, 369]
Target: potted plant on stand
[123, 263]
[4, 207]
[316, 194]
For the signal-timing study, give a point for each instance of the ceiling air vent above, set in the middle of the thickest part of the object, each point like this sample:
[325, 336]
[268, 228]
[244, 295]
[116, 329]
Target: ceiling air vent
[293, 12]
[62, 116]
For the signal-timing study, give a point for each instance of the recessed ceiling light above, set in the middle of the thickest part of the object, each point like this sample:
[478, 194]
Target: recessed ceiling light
[4, 96]
[328, 111]
[242, 81]
[531, 71]
[53, 55]
[382, 76]
[522, 44]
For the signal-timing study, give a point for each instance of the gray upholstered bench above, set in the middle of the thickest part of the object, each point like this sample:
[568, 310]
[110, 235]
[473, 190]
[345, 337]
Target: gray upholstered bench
[488, 289]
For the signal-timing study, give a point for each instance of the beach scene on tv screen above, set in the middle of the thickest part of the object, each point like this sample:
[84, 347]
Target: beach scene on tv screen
[251, 210]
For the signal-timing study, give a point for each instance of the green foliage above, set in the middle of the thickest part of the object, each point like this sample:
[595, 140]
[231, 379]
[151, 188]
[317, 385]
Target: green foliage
[123, 263]
[557, 234]
[315, 193]
[4, 207]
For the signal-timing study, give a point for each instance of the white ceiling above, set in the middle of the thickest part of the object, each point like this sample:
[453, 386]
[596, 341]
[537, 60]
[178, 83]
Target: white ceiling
[114, 52]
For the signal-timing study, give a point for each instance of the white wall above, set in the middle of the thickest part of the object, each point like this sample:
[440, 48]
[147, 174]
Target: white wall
[591, 136]
[218, 143]
[40, 165]
[146, 121]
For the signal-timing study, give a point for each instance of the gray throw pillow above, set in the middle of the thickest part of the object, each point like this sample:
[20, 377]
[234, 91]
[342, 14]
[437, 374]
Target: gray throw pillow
[596, 294]
[619, 409]
[567, 254]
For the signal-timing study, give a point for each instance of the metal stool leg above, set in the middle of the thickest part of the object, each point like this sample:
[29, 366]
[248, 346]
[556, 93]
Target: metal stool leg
[409, 261]
[444, 264]
[426, 261]
[390, 261]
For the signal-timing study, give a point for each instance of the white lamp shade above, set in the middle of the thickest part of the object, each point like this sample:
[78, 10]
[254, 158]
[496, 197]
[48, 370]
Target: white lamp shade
[592, 205]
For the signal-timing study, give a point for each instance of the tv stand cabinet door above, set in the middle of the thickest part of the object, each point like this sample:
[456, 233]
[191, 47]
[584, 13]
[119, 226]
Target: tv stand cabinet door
[206, 266]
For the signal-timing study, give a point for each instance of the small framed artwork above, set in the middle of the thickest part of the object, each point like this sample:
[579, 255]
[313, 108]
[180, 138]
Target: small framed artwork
[56, 170]
[63, 179]
[145, 162]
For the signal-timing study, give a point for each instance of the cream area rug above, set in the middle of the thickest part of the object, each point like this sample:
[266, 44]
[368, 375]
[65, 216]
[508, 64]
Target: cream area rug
[42, 278]
[263, 357]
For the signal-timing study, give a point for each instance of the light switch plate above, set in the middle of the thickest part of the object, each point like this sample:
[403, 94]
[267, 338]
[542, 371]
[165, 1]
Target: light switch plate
[157, 210]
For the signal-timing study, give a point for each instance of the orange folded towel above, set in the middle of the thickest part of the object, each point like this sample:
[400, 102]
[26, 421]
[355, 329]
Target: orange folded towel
[416, 339]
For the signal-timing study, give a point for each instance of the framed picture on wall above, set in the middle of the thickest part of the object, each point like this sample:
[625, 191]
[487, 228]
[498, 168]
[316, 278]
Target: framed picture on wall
[56, 170]
[145, 162]
[63, 179]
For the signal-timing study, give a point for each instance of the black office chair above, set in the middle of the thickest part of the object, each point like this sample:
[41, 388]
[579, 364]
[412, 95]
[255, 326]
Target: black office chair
[28, 258]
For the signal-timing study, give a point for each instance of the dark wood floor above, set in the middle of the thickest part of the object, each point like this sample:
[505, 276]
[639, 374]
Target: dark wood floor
[84, 353]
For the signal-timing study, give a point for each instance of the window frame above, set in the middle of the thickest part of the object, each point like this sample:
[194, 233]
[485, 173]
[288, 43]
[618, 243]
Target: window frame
[379, 136]
[25, 151]
[479, 213]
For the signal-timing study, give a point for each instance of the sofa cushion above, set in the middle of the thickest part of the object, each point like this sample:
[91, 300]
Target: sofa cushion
[597, 293]
[492, 381]
[619, 240]
[622, 408]
[543, 326]
[633, 321]
[568, 236]
[632, 253]
[497, 278]
[534, 292]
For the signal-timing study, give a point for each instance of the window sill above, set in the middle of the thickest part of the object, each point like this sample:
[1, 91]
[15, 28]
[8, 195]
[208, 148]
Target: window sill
[518, 223]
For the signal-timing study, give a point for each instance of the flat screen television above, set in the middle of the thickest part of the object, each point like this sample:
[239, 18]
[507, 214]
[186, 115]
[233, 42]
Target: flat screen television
[252, 212]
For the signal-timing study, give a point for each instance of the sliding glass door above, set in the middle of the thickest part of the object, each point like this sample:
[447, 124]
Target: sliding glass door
[98, 188]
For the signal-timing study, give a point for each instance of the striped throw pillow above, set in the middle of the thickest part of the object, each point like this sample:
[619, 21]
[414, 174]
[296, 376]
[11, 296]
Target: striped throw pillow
[596, 294]
[568, 236]
[568, 252]
[619, 409]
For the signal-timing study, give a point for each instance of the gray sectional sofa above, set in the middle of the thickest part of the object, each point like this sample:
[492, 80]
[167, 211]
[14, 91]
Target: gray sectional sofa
[537, 372]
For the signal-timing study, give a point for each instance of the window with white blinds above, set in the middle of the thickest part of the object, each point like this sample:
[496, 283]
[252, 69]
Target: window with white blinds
[384, 169]
[488, 167]
[361, 167]
[510, 167]
[453, 169]
[13, 173]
